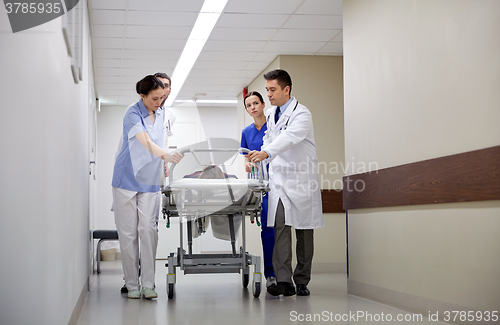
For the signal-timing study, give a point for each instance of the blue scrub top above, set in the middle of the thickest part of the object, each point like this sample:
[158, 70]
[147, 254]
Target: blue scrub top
[136, 169]
[252, 139]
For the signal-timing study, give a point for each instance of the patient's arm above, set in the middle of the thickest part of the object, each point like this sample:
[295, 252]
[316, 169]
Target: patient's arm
[145, 140]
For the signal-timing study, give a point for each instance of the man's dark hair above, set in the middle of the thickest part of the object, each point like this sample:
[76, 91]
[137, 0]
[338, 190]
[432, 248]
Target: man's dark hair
[281, 76]
[164, 76]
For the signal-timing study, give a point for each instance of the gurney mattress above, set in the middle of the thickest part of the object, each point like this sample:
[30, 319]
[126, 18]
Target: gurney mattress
[195, 184]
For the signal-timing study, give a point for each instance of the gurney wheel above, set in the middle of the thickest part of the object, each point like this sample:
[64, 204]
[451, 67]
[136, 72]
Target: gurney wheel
[245, 279]
[170, 290]
[256, 289]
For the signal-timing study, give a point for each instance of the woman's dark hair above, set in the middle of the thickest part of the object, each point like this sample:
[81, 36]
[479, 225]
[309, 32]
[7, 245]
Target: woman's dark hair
[281, 76]
[252, 93]
[148, 83]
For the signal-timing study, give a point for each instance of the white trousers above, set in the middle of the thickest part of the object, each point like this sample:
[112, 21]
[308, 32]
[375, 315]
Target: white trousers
[136, 218]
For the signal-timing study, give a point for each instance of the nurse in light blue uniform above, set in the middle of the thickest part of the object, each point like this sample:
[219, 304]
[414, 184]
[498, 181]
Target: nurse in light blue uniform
[136, 189]
[251, 138]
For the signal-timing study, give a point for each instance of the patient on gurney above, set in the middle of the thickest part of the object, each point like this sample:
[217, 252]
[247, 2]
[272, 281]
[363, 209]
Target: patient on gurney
[212, 174]
[220, 225]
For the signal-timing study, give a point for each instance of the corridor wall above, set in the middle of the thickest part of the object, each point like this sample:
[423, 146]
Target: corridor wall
[421, 82]
[44, 196]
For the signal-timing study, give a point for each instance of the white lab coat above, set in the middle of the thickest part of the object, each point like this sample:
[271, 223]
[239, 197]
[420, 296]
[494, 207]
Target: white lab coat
[293, 170]
[168, 123]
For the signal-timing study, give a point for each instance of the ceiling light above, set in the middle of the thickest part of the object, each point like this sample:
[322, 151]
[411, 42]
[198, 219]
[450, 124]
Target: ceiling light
[209, 101]
[205, 23]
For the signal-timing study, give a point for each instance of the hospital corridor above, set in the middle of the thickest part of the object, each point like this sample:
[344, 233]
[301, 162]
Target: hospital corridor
[220, 299]
[250, 162]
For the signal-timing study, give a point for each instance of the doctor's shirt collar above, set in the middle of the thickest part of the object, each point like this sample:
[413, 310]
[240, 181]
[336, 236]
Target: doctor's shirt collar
[284, 107]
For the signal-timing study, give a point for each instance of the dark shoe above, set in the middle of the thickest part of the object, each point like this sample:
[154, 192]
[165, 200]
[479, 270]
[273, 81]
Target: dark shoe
[274, 290]
[282, 288]
[302, 290]
[124, 289]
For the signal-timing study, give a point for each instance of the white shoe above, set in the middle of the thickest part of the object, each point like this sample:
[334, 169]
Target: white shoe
[134, 294]
[270, 281]
[149, 293]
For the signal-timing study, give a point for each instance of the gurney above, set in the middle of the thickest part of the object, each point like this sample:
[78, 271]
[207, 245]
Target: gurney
[227, 200]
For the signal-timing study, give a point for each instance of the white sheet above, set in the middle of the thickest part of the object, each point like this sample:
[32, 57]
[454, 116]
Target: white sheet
[195, 183]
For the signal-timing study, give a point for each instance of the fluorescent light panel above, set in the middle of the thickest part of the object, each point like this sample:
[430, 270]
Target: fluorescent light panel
[209, 101]
[205, 23]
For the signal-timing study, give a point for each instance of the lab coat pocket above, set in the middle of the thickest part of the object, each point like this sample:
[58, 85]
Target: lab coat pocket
[298, 189]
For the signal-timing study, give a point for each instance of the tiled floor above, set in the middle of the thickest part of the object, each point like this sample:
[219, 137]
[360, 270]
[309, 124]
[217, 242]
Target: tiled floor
[221, 299]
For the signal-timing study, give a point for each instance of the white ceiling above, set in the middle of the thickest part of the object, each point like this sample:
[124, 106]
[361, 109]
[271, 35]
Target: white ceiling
[134, 38]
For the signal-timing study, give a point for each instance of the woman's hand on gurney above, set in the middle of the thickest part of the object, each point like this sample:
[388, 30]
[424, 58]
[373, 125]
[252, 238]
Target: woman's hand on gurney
[175, 158]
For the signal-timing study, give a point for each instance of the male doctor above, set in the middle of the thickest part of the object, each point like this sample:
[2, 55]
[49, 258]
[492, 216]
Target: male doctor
[169, 115]
[295, 198]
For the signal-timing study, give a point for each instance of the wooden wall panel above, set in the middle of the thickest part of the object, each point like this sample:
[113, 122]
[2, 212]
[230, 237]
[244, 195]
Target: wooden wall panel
[332, 201]
[464, 177]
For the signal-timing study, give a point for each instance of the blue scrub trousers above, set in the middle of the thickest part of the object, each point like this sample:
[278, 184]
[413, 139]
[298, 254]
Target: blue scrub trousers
[267, 236]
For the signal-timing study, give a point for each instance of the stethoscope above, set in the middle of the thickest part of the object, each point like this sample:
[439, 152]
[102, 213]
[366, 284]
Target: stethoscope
[169, 130]
[286, 124]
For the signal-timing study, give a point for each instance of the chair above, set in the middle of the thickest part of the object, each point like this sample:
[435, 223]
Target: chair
[103, 235]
